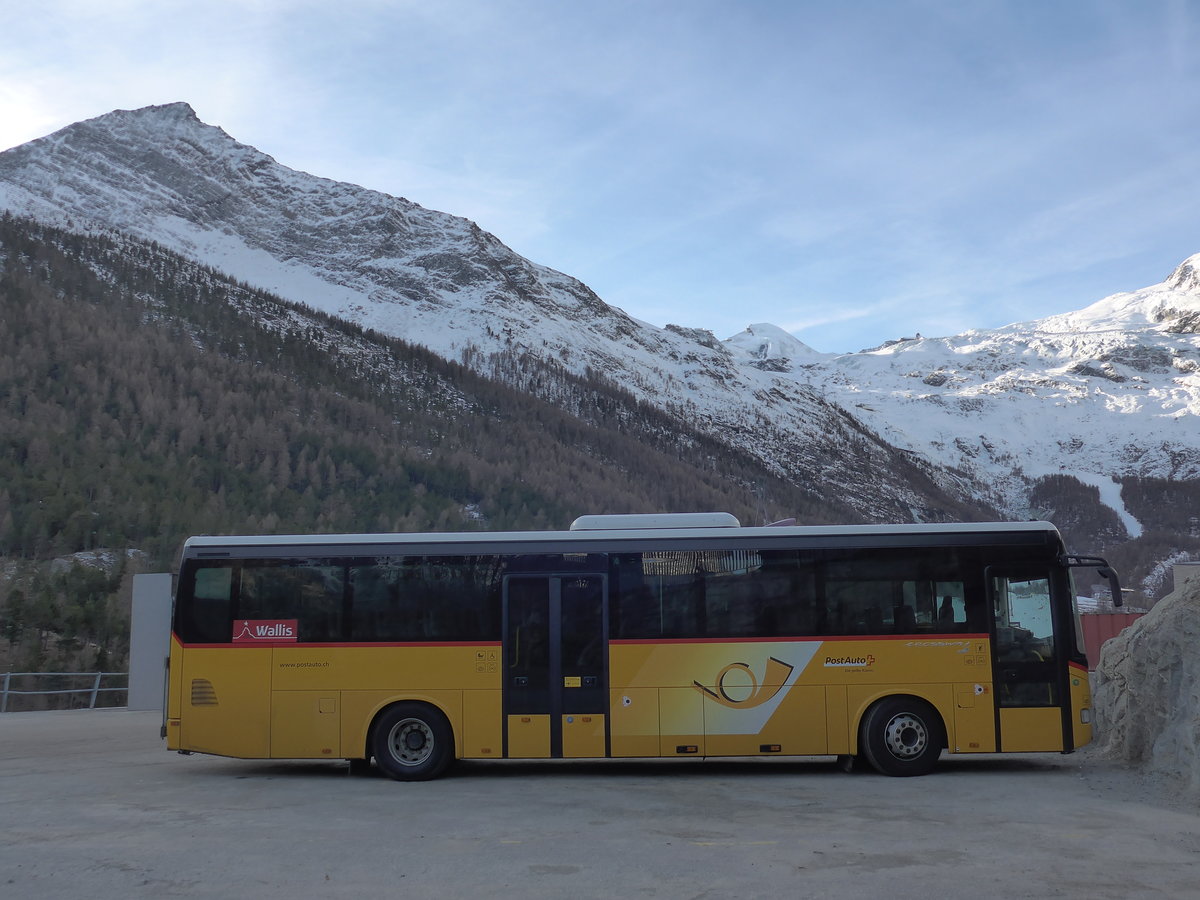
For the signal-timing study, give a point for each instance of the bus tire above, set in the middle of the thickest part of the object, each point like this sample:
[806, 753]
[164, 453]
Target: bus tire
[412, 742]
[902, 736]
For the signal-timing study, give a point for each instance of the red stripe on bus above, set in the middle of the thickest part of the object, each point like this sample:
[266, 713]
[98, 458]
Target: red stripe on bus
[401, 644]
[310, 645]
[939, 637]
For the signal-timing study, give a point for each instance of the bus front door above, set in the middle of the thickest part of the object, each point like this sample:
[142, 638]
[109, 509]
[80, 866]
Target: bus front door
[1029, 708]
[554, 666]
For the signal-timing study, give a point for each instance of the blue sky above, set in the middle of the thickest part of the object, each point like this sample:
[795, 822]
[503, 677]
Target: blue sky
[852, 172]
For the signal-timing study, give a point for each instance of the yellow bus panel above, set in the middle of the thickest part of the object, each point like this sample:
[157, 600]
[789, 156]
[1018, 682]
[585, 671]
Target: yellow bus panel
[226, 701]
[482, 718]
[837, 719]
[583, 736]
[1081, 700]
[634, 722]
[795, 726]
[529, 737]
[410, 668]
[974, 727]
[1023, 730]
[681, 722]
[305, 724]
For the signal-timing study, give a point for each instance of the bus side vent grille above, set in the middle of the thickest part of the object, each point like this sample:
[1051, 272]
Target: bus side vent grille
[203, 693]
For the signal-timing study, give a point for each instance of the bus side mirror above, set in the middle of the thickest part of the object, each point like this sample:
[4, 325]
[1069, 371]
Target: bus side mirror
[1114, 583]
[1103, 569]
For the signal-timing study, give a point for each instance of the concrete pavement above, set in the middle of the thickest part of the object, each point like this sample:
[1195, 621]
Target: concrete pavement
[93, 805]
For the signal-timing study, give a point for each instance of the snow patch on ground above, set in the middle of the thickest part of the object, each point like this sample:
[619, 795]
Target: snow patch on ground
[1110, 496]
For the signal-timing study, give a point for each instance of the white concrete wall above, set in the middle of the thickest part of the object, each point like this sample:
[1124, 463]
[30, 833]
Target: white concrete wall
[149, 640]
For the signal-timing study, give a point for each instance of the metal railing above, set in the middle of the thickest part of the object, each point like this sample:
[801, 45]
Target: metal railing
[92, 688]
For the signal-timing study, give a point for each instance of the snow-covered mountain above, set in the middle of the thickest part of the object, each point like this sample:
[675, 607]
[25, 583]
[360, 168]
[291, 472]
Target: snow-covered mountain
[918, 427]
[1109, 391]
[161, 174]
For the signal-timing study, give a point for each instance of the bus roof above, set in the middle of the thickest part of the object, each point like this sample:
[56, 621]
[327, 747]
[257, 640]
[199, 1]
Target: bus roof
[600, 538]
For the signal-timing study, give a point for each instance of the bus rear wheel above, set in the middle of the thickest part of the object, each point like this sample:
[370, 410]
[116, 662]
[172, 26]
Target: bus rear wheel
[902, 736]
[412, 742]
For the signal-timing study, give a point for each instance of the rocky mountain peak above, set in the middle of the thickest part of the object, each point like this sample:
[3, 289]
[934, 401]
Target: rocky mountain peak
[179, 111]
[770, 342]
[1186, 276]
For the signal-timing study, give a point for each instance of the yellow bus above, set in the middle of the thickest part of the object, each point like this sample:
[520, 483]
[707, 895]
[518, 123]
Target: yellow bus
[631, 636]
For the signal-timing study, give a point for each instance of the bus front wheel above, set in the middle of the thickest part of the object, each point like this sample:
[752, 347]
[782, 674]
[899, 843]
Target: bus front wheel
[412, 742]
[902, 736]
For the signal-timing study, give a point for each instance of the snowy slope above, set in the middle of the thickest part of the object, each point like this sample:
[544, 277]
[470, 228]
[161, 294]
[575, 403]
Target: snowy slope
[1107, 391]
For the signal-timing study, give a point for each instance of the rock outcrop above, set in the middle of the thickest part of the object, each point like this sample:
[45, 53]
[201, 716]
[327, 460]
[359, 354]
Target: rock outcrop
[1147, 691]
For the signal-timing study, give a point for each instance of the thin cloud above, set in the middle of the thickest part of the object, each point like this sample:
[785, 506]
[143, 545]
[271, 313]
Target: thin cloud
[860, 172]
[837, 316]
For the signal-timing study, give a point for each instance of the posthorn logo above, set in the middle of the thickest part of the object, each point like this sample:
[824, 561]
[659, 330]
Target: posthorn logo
[749, 693]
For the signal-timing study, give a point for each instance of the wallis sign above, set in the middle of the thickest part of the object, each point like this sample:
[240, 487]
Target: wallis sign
[255, 631]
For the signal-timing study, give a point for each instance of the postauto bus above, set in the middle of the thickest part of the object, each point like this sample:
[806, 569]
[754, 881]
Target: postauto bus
[631, 636]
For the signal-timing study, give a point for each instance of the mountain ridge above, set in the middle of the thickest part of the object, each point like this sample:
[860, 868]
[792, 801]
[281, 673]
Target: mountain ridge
[916, 428]
[428, 277]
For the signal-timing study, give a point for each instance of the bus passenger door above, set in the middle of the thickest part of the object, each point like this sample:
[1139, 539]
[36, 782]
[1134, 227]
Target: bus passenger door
[1027, 660]
[555, 666]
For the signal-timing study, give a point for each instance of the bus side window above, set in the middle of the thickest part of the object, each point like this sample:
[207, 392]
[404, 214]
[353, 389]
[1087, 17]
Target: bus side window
[661, 595]
[378, 612]
[460, 596]
[860, 606]
[417, 598]
[952, 607]
[789, 604]
[311, 594]
[209, 619]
